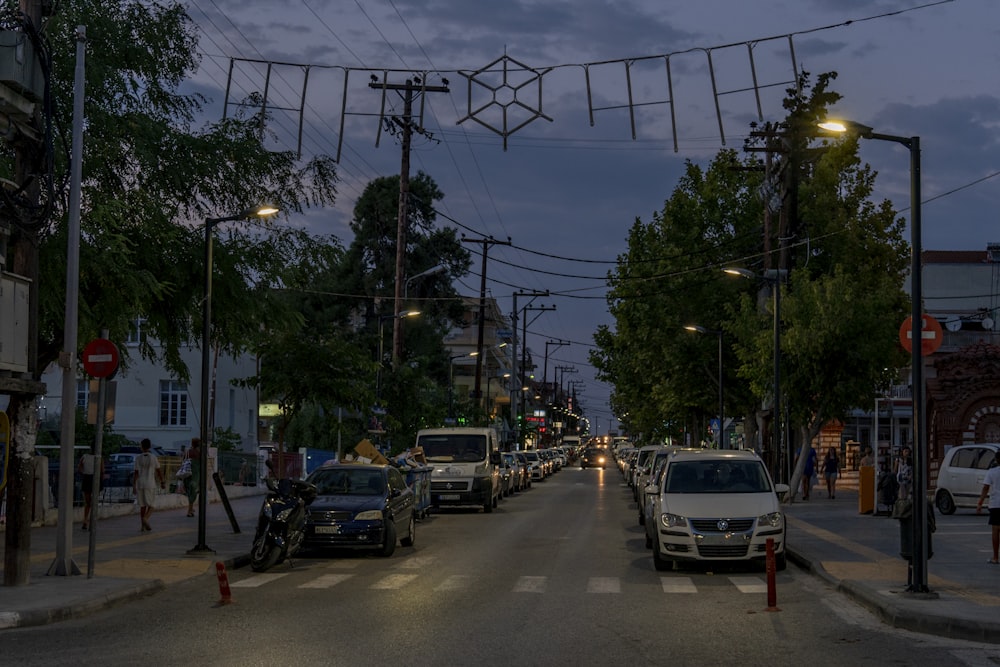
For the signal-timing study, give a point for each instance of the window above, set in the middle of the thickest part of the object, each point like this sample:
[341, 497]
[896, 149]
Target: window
[173, 403]
[135, 333]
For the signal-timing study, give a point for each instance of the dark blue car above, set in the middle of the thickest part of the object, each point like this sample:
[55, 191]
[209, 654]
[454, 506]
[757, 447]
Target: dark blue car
[360, 506]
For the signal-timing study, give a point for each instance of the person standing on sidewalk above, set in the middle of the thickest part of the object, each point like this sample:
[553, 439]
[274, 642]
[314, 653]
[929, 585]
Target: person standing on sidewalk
[991, 488]
[193, 483]
[904, 473]
[147, 474]
[831, 468]
[87, 468]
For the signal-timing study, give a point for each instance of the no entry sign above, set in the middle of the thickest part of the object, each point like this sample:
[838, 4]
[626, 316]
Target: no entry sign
[930, 334]
[100, 358]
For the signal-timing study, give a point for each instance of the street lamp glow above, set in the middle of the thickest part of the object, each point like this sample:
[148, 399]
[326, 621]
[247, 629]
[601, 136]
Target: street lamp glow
[206, 341]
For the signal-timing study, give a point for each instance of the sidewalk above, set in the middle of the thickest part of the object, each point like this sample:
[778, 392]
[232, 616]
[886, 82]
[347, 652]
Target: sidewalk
[857, 554]
[128, 564]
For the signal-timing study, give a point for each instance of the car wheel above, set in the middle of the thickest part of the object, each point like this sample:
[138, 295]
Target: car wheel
[411, 533]
[389, 543]
[944, 502]
[489, 503]
[659, 562]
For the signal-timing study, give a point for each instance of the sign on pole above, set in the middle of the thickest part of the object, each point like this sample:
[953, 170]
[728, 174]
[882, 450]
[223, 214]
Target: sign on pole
[100, 358]
[930, 335]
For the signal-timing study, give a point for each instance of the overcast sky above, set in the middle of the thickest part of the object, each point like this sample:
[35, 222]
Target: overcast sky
[573, 178]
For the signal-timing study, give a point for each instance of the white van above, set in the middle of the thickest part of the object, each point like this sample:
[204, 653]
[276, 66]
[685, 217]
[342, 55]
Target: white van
[466, 465]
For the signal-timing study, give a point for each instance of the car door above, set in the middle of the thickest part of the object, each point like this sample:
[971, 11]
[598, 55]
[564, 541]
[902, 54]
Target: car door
[400, 501]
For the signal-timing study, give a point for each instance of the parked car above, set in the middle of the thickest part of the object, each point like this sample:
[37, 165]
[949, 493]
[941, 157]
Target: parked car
[360, 506]
[536, 465]
[528, 468]
[519, 471]
[593, 457]
[960, 477]
[640, 471]
[718, 505]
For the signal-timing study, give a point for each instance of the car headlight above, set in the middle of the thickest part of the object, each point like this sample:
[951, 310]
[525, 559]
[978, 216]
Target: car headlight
[773, 519]
[600, 459]
[369, 515]
[673, 521]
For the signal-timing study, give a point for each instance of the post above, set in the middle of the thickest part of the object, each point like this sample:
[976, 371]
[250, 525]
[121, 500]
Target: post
[404, 189]
[722, 416]
[206, 343]
[63, 563]
[776, 409]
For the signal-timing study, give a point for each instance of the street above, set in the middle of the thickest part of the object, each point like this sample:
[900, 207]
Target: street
[557, 575]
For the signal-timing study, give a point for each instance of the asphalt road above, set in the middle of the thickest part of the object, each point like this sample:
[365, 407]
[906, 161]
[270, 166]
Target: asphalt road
[557, 575]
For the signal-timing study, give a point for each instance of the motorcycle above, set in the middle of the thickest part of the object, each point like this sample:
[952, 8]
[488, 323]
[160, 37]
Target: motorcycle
[281, 525]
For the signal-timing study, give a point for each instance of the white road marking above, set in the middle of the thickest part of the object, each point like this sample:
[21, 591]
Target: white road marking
[678, 585]
[749, 584]
[604, 585]
[530, 585]
[258, 580]
[416, 562]
[393, 581]
[326, 581]
[455, 582]
[344, 564]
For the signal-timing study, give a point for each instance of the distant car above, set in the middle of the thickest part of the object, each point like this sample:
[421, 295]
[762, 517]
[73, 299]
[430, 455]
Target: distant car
[594, 457]
[960, 477]
[519, 471]
[360, 506]
[526, 467]
[536, 465]
[120, 468]
[718, 505]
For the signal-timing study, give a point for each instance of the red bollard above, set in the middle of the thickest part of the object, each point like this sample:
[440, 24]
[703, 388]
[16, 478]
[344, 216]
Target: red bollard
[226, 597]
[772, 592]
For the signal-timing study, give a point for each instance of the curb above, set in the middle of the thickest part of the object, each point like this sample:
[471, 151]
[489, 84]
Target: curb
[35, 617]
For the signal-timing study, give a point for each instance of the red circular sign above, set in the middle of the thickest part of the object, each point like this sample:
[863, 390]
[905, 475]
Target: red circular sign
[931, 334]
[100, 358]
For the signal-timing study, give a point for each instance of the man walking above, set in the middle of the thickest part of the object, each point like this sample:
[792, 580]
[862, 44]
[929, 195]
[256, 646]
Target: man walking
[147, 474]
[991, 487]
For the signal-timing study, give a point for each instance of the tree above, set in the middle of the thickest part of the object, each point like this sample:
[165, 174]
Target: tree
[664, 378]
[151, 175]
[369, 270]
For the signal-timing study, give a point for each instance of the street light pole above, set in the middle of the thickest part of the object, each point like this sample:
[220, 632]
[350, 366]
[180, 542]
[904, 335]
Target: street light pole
[920, 545]
[381, 343]
[722, 416]
[206, 366]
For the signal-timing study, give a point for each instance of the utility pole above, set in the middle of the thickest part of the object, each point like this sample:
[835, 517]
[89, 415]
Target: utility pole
[405, 126]
[23, 221]
[518, 382]
[545, 368]
[524, 347]
[487, 243]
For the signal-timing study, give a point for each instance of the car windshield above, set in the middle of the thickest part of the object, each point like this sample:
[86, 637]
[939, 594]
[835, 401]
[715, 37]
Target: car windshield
[591, 453]
[716, 477]
[348, 482]
[452, 447]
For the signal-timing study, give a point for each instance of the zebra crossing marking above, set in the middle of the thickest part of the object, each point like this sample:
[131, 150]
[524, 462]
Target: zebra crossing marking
[530, 585]
[604, 585]
[393, 581]
[749, 584]
[678, 585]
[326, 581]
[258, 580]
[455, 582]
[416, 562]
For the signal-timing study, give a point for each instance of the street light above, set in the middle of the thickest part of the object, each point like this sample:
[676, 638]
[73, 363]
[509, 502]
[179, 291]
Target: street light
[206, 317]
[381, 358]
[920, 546]
[423, 274]
[451, 380]
[722, 417]
[773, 276]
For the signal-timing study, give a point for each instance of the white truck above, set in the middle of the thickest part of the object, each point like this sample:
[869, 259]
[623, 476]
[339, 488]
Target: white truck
[466, 465]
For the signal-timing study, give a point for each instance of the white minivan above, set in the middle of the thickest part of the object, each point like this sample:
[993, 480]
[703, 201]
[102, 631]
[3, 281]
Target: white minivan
[466, 465]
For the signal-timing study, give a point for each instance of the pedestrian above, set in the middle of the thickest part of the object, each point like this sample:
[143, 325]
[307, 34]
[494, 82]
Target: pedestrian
[808, 472]
[145, 478]
[904, 473]
[991, 488]
[193, 483]
[86, 468]
[831, 467]
[868, 460]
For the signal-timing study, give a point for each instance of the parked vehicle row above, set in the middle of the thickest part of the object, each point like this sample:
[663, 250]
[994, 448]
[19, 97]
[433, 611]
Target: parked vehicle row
[370, 506]
[705, 505]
